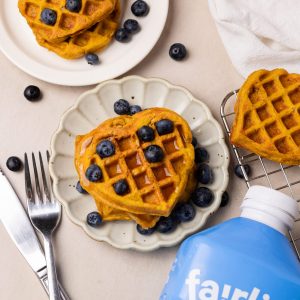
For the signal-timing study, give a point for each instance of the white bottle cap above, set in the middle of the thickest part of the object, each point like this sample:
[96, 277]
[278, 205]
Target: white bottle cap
[270, 207]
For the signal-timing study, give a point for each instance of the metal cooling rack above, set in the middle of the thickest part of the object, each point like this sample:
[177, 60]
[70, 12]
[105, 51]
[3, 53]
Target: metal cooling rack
[264, 172]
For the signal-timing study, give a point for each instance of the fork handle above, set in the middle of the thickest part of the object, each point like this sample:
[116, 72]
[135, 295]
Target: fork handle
[54, 293]
[63, 294]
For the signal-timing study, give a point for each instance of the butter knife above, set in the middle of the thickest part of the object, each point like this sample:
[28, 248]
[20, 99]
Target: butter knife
[19, 228]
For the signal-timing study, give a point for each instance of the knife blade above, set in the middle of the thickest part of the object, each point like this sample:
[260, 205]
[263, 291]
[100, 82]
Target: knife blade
[19, 228]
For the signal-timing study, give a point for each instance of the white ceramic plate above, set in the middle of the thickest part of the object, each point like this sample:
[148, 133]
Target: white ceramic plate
[18, 43]
[95, 106]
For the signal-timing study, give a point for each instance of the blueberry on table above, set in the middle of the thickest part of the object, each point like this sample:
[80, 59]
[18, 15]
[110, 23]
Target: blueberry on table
[204, 174]
[121, 187]
[144, 231]
[121, 35]
[92, 59]
[94, 219]
[194, 142]
[164, 126]
[32, 93]
[238, 170]
[105, 149]
[184, 212]
[14, 163]
[225, 199]
[177, 51]
[166, 225]
[131, 25]
[48, 16]
[134, 109]
[140, 8]
[202, 197]
[80, 189]
[73, 5]
[201, 155]
[93, 173]
[122, 107]
[146, 134]
[154, 153]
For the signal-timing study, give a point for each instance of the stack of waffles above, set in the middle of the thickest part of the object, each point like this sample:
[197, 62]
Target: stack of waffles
[154, 187]
[73, 34]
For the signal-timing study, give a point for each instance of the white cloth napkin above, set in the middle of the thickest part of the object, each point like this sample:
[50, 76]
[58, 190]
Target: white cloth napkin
[259, 33]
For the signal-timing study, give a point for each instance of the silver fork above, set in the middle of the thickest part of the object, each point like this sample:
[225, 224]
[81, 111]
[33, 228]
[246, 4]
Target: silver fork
[44, 212]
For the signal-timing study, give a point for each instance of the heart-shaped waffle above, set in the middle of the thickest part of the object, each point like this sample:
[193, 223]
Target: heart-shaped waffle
[267, 118]
[154, 188]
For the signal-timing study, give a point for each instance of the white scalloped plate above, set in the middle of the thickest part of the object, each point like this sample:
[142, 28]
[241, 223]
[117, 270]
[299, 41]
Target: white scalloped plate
[95, 106]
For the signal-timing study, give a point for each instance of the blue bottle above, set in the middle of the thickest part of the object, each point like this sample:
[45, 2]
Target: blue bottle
[245, 258]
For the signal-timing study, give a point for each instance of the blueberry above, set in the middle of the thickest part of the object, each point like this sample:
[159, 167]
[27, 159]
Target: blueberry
[92, 59]
[225, 199]
[48, 16]
[166, 225]
[194, 142]
[32, 93]
[238, 170]
[144, 231]
[204, 174]
[201, 155]
[146, 134]
[121, 35]
[140, 8]
[177, 51]
[131, 25]
[154, 153]
[14, 163]
[94, 219]
[134, 109]
[121, 187]
[164, 126]
[80, 189]
[184, 212]
[93, 173]
[73, 5]
[122, 107]
[202, 197]
[105, 149]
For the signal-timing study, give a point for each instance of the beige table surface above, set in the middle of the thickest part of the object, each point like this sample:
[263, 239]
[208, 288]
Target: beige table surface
[88, 269]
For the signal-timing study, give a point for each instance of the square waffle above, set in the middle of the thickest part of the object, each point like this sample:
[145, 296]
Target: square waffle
[267, 118]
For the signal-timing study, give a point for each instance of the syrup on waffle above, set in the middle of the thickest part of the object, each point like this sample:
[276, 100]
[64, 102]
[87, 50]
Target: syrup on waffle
[267, 118]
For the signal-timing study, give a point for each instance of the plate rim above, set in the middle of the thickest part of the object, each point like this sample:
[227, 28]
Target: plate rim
[132, 245]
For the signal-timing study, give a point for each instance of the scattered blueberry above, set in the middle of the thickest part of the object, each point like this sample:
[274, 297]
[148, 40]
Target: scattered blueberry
[94, 219]
[202, 197]
[184, 212]
[154, 153]
[105, 149]
[177, 51]
[134, 109]
[121, 187]
[14, 163]
[166, 225]
[80, 189]
[144, 231]
[121, 35]
[48, 16]
[225, 199]
[140, 8]
[92, 59]
[201, 155]
[146, 134]
[73, 5]
[238, 170]
[194, 142]
[93, 173]
[204, 174]
[164, 126]
[122, 107]
[131, 25]
[32, 93]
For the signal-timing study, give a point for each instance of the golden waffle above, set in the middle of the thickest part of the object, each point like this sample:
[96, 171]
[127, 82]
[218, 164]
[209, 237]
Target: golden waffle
[92, 40]
[267, 118]
[67, 23]
[155, 188]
